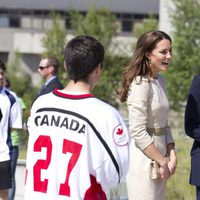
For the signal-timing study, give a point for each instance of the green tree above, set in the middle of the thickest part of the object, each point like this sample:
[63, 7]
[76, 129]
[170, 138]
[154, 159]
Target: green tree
[185, 19]
[111, 76]
[20, 80]
[21, 85]
[148, 24]
[102, 24]
[54, 42]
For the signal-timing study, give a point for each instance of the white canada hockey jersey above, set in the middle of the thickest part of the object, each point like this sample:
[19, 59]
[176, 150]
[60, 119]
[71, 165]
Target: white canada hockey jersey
[78, 148]
[11, 117]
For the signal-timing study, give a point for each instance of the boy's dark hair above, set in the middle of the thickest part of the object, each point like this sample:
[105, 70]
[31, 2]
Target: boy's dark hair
[2, 65]
[82, 54]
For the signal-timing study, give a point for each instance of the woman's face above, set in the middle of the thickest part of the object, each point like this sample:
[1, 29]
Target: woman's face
[161, 56]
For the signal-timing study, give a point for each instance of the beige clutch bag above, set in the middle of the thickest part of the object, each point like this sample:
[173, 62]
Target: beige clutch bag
[155, 170]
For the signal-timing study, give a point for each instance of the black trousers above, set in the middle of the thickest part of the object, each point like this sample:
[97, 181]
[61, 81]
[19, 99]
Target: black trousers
[197, 192]
[5, 175]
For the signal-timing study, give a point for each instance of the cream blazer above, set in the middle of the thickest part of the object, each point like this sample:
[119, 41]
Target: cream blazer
[148, 108]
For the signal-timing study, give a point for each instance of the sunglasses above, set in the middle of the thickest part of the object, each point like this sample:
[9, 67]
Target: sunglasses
[41, 68]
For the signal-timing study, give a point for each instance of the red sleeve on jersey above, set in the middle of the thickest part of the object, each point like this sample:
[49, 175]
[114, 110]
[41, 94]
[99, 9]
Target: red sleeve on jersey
[95, 191]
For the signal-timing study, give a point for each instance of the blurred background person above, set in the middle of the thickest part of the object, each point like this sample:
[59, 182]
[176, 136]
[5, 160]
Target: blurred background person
[48, 69]
[11, 118]
[15, 139]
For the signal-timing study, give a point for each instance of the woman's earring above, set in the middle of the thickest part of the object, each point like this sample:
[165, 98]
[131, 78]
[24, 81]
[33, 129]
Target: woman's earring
[150, 63]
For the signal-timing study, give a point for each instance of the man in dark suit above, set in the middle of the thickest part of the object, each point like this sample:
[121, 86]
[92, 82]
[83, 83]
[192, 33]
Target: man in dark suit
[192, 129]
[48, 69]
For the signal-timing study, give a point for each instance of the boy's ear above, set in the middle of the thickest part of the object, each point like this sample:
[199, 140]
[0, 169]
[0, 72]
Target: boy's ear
[52, 68]
[98, 67]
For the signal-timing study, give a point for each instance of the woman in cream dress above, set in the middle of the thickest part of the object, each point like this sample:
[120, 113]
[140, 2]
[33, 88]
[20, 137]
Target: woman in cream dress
[144, 90]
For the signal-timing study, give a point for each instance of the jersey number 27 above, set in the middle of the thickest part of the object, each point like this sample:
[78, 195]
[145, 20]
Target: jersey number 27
[67, 146]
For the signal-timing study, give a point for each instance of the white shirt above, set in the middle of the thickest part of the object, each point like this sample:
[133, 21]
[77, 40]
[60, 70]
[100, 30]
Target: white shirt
[11, 118]
[1, 137]
[76, 142]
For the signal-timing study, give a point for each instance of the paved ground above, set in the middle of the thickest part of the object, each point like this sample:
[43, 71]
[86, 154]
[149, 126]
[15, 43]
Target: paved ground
[115, 194]
[20, 177]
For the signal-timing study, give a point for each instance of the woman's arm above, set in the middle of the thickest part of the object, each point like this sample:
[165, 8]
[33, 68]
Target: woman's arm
[152, 152]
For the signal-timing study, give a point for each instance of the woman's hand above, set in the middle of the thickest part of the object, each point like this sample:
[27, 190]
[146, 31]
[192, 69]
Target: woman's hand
[164, 170]
[173, 160]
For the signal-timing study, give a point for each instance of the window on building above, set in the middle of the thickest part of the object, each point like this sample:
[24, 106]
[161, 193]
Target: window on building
[14, 21]
[68, 23]
[4, 21]
[127, 25]
[48, 23]
[37, 23]
[9, 21]
[26, 22]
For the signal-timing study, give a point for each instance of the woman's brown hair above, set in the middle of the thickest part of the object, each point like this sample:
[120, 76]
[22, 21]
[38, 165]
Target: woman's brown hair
[139, 64]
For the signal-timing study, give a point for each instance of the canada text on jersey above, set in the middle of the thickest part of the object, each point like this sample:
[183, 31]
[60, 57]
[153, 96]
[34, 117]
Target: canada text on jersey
[61, 122]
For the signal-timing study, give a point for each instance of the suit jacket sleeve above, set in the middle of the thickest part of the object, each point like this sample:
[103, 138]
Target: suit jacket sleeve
[55, 83]
[192, 111]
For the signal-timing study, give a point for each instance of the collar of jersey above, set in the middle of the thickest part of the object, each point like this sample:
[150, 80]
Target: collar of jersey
[2, 89]
[72, 96]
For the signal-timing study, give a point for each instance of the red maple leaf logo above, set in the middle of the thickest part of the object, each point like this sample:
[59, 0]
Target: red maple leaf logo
[119, 131]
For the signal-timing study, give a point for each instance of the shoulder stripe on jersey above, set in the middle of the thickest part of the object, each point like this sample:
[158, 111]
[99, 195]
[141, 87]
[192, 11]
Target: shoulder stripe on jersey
[12, 101]
[11, 98]
[92, 126]
[0, 114]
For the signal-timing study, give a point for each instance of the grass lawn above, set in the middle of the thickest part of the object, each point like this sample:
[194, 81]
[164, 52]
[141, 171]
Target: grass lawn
[178, 186]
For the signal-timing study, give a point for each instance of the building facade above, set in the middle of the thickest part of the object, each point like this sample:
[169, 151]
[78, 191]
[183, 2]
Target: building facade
[23, 23]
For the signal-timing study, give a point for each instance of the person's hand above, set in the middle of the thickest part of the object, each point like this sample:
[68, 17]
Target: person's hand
[172, 162]
[164, 170]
